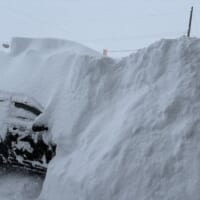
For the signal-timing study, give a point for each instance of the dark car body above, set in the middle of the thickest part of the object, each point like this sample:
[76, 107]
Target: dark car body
[23, 144]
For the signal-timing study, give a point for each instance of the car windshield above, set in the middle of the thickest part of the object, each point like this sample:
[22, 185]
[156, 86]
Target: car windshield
[28, 108]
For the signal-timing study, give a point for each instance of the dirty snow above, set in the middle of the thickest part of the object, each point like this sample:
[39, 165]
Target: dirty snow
[125, 129]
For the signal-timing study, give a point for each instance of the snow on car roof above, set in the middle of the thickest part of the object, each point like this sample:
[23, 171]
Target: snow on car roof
[21, 98]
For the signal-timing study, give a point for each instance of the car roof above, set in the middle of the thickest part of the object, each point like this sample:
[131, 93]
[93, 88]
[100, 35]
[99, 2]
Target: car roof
[20, 98]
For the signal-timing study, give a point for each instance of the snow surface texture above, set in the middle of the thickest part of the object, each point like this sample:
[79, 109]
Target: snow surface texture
[9, 114]
[19, 186]
[125, 129]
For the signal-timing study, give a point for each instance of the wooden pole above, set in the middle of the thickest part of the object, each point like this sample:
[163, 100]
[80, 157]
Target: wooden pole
[190, 22]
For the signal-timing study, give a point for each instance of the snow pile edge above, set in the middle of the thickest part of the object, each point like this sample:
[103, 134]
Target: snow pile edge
[125, 129]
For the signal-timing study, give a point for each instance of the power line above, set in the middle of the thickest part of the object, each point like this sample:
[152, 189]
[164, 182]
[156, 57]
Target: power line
[33, 18]
[122, 50]
[196, 21]
[131, 50]
[128, 38]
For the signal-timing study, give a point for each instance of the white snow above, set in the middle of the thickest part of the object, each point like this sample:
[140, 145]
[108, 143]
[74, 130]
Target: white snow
[125, 129]
[4, 103]
[12, 115]
[19, 186]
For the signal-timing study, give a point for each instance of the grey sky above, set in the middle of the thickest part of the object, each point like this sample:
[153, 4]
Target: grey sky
[112, 24]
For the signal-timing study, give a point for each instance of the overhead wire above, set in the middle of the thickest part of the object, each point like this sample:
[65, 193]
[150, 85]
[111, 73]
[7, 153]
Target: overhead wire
[30, 17]
[134, 50]
[196, 22]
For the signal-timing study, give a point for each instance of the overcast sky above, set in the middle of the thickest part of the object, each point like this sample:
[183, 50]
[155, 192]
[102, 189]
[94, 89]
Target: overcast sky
[111, 24]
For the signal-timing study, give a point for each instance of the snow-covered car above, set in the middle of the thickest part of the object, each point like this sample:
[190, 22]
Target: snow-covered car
[23, 143]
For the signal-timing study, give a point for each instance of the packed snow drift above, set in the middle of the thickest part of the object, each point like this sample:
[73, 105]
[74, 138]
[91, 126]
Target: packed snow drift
[19, 186]
[125, 129]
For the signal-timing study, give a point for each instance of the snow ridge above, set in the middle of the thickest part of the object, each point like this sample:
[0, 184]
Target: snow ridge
[125, 129]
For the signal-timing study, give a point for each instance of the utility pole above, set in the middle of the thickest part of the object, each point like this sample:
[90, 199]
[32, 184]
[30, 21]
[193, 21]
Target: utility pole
[190, 22]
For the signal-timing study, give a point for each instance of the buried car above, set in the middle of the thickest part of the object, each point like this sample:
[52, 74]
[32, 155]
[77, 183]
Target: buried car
[23, 143]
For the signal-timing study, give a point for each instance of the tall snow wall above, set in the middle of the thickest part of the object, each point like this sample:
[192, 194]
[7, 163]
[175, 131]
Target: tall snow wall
[125, 129]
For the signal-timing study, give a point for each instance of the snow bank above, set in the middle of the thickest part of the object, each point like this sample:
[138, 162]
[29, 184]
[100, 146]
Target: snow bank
[20, 186]
[125, 129]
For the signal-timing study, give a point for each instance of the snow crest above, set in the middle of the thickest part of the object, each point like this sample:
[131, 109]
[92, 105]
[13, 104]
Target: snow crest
[125, 129]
